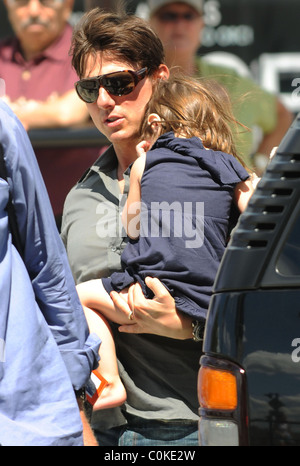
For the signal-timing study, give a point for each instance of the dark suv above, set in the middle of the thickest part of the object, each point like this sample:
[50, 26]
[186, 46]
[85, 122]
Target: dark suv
[249, 379]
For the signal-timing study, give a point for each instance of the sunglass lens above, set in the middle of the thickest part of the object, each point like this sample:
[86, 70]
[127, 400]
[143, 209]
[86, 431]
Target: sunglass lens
[168, 17]
[172, 17]
[119, 84]
[88, 90]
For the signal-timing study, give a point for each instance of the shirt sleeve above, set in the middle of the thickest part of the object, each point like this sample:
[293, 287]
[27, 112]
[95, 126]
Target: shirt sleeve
[256, 104]
[44, 254]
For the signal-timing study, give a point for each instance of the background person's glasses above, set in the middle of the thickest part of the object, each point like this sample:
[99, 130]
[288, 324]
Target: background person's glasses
[173, 17]
[48, 3]
[118, 83]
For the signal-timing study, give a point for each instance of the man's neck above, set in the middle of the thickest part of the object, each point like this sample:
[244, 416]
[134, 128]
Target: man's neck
[182, 63]
[126, 155]
[29, 53]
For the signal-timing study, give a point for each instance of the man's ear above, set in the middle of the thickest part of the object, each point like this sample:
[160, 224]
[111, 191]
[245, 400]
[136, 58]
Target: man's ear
[162, 72]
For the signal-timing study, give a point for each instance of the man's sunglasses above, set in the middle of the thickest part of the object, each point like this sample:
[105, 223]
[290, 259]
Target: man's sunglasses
[118, 83]
[172, 17]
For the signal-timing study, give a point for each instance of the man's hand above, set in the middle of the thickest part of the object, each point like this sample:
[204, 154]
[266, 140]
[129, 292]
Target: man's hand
[157, 316]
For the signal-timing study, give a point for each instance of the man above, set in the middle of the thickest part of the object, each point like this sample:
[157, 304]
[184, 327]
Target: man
[39, 85]
[179, 26]
[158, 369]
[46, 351]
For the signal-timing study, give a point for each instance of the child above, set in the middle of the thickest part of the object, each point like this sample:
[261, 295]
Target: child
[178, 211]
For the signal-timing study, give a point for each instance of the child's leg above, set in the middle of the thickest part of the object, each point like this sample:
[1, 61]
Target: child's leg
[98, 304]
[114, 393]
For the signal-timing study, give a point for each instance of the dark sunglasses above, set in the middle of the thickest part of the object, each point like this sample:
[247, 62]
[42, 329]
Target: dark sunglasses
[172, 17]
[118, 83]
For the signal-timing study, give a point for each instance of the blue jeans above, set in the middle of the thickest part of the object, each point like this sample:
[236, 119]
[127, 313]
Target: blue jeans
[145, 432]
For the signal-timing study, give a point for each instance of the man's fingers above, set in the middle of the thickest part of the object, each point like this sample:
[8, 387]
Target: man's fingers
[133, 328]
[120, 303]
[155, 285]
[134, 293]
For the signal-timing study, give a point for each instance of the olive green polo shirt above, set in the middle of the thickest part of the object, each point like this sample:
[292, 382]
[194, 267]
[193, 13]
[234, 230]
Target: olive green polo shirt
[252, 106]
[92, 228]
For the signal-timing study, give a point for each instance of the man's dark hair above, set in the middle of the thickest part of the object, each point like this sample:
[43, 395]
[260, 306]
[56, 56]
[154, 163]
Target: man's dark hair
[123, 37]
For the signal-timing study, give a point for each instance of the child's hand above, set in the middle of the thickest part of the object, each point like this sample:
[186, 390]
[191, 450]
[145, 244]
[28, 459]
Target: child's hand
[142, 148]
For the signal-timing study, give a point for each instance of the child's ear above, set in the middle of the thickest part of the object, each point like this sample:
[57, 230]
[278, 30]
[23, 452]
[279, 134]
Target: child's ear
[152, 118]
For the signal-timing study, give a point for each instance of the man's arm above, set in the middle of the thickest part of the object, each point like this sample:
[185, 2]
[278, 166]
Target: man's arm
[45, 257]
[89, 439]
[272, 139]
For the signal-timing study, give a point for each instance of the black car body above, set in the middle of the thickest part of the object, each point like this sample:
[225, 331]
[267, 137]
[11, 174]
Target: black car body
[249, 379]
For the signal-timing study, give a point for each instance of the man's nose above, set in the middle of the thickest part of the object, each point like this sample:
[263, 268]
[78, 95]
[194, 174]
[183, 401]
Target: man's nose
[34, 7]
[105, 100]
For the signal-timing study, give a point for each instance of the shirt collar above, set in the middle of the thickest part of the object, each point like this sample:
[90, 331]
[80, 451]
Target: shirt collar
[106, 162]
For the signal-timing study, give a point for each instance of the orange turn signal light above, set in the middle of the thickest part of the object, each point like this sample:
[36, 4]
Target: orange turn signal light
[217, 389]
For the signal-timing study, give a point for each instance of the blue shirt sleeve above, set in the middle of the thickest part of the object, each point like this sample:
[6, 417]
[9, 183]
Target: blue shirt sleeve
[44, 254]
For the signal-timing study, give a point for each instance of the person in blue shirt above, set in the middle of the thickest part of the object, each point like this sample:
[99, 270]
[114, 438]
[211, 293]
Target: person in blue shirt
[184, 188]
[46, 351]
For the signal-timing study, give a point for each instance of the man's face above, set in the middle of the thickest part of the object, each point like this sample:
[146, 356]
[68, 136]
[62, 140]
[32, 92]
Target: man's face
[38, 23]
[179, 28]
[119, 117]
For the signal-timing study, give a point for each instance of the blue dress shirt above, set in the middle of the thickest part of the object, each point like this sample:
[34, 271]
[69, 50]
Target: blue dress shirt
[46, 350]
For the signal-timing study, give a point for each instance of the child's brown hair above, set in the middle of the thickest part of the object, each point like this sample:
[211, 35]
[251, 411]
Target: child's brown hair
[193, 107]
